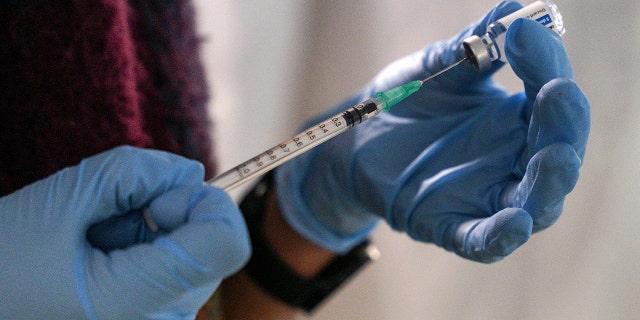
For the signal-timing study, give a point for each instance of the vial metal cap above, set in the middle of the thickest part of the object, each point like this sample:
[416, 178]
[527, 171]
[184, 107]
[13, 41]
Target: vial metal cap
[477, 53]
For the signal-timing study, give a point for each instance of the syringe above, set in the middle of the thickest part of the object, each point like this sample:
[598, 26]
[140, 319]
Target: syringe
[312, 137]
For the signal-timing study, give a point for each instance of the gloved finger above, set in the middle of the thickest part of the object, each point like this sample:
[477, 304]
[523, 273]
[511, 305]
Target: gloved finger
[122, 231]
[168, 211]
[551, 174]
[560, 114]
[493, 238]
[180, 270]
[138, 226]
[126, 178]
[536, 55]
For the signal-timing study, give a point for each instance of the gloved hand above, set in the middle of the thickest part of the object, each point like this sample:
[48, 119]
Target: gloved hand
[461, 163]
[50, 271]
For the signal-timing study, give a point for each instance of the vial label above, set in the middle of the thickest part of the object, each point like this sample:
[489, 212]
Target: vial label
[543, 12]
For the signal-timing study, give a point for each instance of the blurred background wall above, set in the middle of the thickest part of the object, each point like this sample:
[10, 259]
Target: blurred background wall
[272, 64]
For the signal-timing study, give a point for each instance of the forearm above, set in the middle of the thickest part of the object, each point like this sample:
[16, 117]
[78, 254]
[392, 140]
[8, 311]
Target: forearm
[243, 299]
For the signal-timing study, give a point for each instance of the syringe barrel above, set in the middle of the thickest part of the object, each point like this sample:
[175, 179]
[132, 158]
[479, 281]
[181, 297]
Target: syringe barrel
[483, 50]
[297, 145]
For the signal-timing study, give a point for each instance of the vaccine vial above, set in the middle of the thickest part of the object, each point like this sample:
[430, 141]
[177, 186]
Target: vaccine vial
[482, 51]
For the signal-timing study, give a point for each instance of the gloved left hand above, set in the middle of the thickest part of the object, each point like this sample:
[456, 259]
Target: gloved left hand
[49, 270]
[461, 163]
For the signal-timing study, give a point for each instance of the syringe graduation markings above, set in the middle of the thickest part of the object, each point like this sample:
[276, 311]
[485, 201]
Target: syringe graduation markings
[313, 136]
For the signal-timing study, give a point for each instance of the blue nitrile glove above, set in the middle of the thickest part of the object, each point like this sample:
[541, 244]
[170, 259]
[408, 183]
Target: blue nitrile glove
[461, 163]
[50, 271]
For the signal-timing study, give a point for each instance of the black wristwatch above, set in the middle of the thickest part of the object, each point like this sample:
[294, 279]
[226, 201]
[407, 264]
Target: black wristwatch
[274, 276]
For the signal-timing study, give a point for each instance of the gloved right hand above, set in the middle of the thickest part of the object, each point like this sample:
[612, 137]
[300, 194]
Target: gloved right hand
[50, 271]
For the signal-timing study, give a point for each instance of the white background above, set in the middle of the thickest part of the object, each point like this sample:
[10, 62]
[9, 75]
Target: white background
[272, 64]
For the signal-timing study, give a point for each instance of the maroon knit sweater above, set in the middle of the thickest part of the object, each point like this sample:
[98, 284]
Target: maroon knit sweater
[78, 77]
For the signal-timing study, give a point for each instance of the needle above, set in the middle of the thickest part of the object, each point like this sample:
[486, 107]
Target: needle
[444, 70]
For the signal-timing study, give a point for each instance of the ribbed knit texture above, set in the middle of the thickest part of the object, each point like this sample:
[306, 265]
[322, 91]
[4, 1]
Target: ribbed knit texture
[83, 76]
